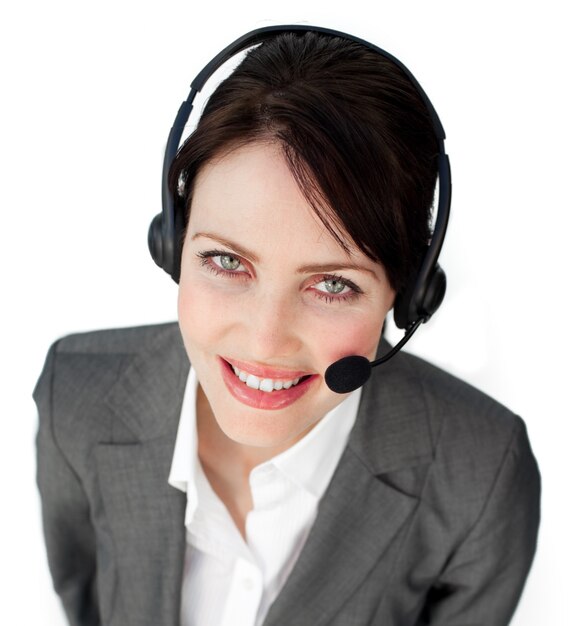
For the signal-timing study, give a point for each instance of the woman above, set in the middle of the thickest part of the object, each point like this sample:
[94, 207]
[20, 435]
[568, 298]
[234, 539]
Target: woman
[243, 489]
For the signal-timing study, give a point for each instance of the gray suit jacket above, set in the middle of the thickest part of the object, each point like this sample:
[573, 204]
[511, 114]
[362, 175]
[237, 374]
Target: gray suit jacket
[431, 516]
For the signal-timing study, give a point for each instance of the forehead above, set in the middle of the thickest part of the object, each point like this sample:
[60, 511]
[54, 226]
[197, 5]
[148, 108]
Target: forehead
[254, 176]
[251, 190]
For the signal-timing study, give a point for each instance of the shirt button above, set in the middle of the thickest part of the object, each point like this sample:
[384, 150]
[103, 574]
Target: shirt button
[248, 584]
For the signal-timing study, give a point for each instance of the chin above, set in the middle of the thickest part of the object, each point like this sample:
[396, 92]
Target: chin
[263, 429]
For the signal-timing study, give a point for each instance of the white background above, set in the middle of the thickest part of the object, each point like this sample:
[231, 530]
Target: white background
[89, 91]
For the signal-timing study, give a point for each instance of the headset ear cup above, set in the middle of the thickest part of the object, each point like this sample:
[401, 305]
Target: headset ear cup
[156, 240]
[410, 307]
[177, 245]
[401, 307]
[434, 293]
[166, 248]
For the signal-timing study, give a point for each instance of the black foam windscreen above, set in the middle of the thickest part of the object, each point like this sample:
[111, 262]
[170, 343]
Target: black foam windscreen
[348, 374]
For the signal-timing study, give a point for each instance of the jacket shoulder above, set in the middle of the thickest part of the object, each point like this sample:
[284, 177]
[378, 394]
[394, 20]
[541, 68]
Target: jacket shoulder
[80, 359]
[414, 413]
[81, 368]
[116, 340]
[464, 422]
[441, 388]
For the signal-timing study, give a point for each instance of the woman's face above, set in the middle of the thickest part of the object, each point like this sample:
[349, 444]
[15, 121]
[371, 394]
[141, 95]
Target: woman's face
[268, 299]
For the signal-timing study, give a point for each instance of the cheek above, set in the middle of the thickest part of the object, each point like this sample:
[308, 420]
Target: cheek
[197, 314]
[359, 337]
[359, 332]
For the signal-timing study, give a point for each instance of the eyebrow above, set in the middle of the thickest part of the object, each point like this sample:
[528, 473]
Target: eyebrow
[250, 256]
[319, 268]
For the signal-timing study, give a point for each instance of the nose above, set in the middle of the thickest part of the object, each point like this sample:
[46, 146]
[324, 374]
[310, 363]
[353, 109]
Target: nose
[272, 326]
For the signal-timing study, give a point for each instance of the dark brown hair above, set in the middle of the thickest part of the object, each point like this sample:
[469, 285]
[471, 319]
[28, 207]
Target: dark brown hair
[354, 130]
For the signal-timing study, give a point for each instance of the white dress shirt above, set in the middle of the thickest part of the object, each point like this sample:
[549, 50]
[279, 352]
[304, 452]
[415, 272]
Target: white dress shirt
[231, 582]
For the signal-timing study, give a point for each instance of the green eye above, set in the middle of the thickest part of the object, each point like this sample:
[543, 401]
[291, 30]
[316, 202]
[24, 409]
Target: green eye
[334, 286]
[229, 262]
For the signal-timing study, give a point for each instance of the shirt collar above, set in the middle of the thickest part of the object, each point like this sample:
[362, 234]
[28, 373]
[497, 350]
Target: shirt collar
[184, 470]
[311, 462]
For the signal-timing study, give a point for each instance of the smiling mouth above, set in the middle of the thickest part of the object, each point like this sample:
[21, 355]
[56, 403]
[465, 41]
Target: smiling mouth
[268, 385]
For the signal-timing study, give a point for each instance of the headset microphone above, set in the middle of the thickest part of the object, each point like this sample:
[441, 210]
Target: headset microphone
[351, 372]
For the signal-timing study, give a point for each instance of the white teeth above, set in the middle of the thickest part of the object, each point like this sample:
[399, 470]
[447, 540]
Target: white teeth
[252, 381]
[267, 384]
[263, 384]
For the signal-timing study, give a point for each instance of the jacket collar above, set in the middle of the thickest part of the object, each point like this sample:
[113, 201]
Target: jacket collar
[392, 430]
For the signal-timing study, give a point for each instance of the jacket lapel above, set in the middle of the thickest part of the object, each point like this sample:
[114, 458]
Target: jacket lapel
[144, 514]
[370, 499]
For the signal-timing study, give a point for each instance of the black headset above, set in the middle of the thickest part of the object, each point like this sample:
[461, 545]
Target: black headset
[424, 294]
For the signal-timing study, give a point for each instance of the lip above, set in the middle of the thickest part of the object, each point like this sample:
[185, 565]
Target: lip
[260, 399]
[263, 371]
